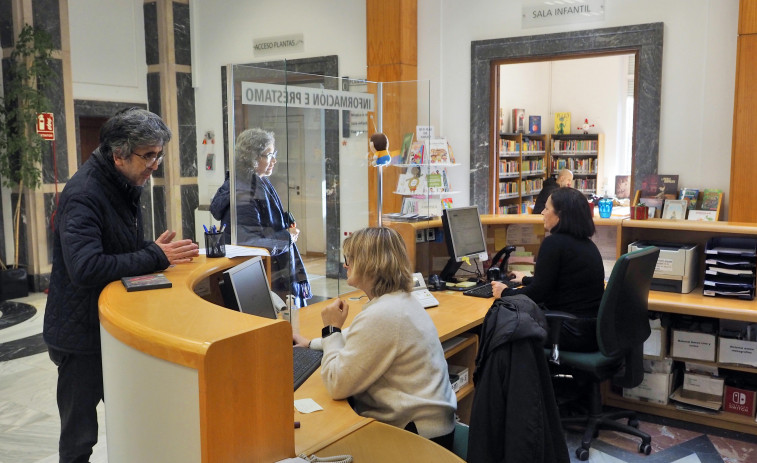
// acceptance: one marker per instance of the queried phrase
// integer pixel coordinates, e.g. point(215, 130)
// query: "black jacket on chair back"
point(514, 416)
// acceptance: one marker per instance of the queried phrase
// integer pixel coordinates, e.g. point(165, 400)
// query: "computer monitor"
point(245, 288)
point(464, 236)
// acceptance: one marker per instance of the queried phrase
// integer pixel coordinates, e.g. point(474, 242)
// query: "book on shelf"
point(412, 182)
point(692, 194)
point(438, 151)
point(710, 200)
point(414, 153)
point(407, 140)
point(562, 123)
point(145, 282)
point(702, 216)
point(659, 186)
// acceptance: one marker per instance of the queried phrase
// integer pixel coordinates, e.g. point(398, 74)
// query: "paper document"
point(307, 405)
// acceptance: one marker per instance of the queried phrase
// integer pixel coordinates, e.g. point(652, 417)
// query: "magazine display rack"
point(424, 181)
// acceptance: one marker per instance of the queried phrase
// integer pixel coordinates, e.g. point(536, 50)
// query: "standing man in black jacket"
point(99, 238)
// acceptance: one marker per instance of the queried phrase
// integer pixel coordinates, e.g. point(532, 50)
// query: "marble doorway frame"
point(646, 40)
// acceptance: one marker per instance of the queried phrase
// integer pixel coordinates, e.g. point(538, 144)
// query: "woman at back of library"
point(569, 274)
point(262, 220)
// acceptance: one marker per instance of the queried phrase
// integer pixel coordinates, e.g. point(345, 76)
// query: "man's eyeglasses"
point(270, 155)
point(151, 158)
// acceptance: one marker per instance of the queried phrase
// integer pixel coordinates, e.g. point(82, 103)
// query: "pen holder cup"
point(215, 245)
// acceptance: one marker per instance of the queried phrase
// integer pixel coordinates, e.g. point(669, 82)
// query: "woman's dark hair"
point(572, 207)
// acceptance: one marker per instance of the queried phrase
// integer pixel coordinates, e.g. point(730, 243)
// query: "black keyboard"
point(305, 362)
point(484, 290)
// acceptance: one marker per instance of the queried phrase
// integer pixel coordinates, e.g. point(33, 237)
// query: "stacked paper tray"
point(730, 267)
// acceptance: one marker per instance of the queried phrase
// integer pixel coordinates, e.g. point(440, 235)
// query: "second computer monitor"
point(249, 288)
point(464, 236)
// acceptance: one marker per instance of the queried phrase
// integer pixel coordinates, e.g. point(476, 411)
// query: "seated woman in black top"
point(569, 275)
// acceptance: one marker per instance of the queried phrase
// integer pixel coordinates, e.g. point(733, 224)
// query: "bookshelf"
point(582, 154)
point(519, 173)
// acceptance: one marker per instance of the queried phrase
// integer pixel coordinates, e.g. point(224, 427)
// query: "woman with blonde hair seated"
point(390, 363)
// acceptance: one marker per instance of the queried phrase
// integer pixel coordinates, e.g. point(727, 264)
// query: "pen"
point(206, 229)
point(214, 229)
point(223, 227)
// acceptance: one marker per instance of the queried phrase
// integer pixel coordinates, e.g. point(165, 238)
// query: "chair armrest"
point(554, 321)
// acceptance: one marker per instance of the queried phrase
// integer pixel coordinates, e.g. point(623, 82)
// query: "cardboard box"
point(702, 387)
point(656, 344)
point(739, 401)
point(693, 345)
point(738, 352)
point(656, 387)
point(664, 365)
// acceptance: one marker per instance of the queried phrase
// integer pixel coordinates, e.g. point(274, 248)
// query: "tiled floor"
point(29, 423)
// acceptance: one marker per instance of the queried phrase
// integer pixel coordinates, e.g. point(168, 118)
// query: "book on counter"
point(144, 282)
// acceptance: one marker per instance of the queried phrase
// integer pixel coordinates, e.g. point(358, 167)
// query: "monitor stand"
point(450, 269)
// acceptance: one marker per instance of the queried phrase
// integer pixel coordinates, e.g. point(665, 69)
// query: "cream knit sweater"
point(392, 363)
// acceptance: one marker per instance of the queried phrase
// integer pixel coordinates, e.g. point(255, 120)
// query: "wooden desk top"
point(329, 432)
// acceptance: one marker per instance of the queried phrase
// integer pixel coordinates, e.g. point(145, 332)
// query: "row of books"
point(433, 151)
point(511, 147)
point(423, 179)
point(574, 146)
point(577, 166)
point(730, 267)
point(586, 185)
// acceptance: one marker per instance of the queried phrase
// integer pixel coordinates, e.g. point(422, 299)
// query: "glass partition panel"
point(320, 186)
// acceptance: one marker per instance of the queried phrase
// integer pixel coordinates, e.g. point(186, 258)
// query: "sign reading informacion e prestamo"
point(550, 13)
point(305, 97)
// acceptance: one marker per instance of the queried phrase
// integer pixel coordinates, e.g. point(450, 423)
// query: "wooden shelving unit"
point(582, 154)
point(464, 354)
point(520, 169)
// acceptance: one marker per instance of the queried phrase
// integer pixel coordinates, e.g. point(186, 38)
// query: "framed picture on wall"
point(675, 209)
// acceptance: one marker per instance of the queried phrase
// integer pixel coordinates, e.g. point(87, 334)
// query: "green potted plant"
point(21, 147)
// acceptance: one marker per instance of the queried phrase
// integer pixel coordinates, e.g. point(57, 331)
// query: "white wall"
point(697, 78)
point(335, 27)
point(698, 75)
point(108, 50)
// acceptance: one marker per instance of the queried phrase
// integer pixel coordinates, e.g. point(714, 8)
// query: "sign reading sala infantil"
point(305, 97)
point(554, 12)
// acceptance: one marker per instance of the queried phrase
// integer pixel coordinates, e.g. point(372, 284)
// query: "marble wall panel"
point(181, 34)
point(54, 93)
point(185, 101)
point(190, 200)
point(6, 24)
point(152, 55)
point(158, 203)
point(46, 14)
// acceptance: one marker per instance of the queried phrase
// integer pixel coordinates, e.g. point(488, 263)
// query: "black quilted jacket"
point(98, 238)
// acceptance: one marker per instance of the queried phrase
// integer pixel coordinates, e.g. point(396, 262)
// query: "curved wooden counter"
point(188, 380)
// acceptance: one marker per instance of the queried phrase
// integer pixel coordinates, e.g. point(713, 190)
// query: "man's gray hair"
point(250, 145)
point(130, 129)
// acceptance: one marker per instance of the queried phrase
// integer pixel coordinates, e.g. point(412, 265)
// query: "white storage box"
point(656, 344)
point(656, 387)
point(693, 345)
point(736, 351)
point(702, 387)
point(458, 376)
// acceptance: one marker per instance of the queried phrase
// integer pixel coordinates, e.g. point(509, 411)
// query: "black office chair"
point(622, 328)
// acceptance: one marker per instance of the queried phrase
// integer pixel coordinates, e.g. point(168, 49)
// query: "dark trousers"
point(445, 441)
point(80, 389)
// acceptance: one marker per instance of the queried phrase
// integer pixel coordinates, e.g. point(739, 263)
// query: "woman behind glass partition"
point(261, 218)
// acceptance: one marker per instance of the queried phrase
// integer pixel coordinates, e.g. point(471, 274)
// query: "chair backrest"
point(623, 322)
